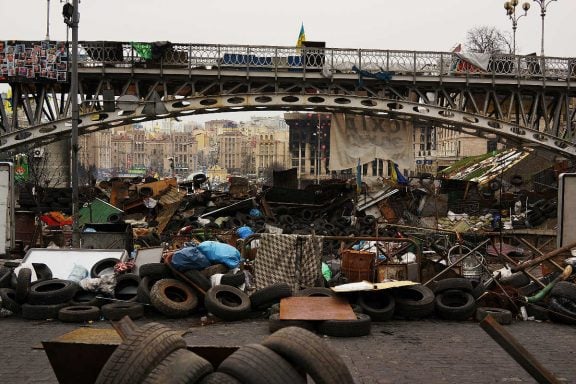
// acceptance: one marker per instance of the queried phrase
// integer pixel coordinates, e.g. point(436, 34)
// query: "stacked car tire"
point(156, 354)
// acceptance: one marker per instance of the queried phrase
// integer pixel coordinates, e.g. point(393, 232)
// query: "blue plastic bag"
point(220, 253)
point(189, 258)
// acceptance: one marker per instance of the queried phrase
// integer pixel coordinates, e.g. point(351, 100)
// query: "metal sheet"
point(315, 308)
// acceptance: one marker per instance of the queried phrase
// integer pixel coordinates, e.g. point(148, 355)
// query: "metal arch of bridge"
point(470, 123)
point(533, 100)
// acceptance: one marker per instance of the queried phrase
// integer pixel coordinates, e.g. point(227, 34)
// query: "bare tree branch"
point(487, 39)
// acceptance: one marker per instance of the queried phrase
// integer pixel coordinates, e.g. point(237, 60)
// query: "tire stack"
point(562, 303)
point(155, 354)
point(46, 298)
point(454, 299)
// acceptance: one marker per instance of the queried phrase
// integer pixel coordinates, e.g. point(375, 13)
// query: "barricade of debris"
point(464, 248)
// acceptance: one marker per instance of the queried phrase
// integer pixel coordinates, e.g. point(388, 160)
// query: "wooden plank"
point(315, 308)
point(517, 351)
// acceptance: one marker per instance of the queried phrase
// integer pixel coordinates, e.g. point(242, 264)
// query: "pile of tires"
point(154, 353)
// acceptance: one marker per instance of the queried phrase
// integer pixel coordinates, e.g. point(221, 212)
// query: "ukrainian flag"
point(301, 37)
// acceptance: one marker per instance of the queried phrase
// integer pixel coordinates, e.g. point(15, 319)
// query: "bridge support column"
point(58, 164)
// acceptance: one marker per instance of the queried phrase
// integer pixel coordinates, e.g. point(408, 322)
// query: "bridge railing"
point(327, 61)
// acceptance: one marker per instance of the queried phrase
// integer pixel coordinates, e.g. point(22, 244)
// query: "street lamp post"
point(543, 5)
point(48, 20)
point(318, 159)
point(72, 19)
point(510, 7)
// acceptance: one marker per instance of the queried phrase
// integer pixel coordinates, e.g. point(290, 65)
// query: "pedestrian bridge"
point(517, 100)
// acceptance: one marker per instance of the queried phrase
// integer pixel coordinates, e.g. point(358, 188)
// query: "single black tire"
point(179, 367)
point(219, 378)
point(79, 314)
point(86, 298)
point(478, 288)
point(5, 277)
point(309, 352)
point(265, 297)
point(501, 315)
point(227, 303)
point(516, 280)
point(8, 297)
point(43, 272)
point(459, 283)
point(102, 265)
point(379, 305)
point(214, 269)
point(316, 292)
point(198, 279)
point(257, 364)
point(346, 328)
point(564, 289)
point(173, 298)
point(275, 323)
point(146, 192)
point(126, 287)
point(455, 305)
point(155, 271)
point(139, 354)
point(116, 311)
point(562, 310)
point(23, 284)
point(286, 219)
point(233, 279)
point(368, 220)
point(53, 291)
point(41, 312)
point(143, 292)
point(414, 302)
point(114, 218)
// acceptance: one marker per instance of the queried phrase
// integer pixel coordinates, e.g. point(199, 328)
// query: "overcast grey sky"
point(379, 24)
point(382, 24)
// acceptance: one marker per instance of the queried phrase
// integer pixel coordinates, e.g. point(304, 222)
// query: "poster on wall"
point(34, 60)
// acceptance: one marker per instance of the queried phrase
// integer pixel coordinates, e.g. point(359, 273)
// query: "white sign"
point(366, 138)
point(7, 231)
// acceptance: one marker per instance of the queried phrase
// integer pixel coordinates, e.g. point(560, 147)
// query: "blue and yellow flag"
point(301, 37)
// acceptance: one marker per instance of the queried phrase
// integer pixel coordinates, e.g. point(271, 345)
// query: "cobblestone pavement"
point(430, 351)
